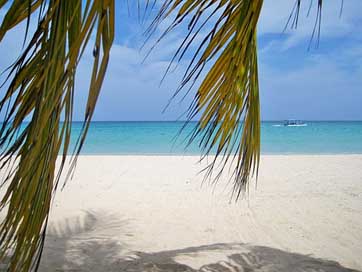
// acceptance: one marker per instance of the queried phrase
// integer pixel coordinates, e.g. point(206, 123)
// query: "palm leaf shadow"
point(83, 242)
point(237, 257)
point(88, 244)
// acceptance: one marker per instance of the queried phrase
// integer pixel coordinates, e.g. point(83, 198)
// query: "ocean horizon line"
point(195, 121)
point(262, 154)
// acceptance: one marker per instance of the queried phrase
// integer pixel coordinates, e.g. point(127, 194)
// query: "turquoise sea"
point(127, 138)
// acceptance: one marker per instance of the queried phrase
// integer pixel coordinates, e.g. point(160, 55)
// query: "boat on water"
point(294, 123)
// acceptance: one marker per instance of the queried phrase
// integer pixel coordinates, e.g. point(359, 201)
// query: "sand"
point(152, 213)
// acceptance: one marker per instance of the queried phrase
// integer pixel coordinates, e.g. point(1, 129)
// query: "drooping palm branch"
point(229, 92)
point(41, 88)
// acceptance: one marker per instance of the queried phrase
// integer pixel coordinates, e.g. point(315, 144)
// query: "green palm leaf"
point(42, 89)
point(229, 92)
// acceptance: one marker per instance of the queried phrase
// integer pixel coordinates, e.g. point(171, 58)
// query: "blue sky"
point(319, 84)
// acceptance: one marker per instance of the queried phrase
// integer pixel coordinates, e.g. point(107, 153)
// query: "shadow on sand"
point(80, 246)
point(89, 244)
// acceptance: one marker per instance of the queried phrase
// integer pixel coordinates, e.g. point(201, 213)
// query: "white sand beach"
point(152, 213)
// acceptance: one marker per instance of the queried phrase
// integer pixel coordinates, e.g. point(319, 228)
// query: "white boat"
point(294, 123)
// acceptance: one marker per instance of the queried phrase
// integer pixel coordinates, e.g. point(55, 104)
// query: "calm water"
point(158, 138)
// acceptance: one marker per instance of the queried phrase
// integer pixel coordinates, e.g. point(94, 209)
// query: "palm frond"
point(294, 19)
point(228, 97)
point(41, 88)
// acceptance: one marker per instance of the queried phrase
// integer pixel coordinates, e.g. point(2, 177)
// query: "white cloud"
point(131, 89)
point(275, 15)
point(322, 88)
